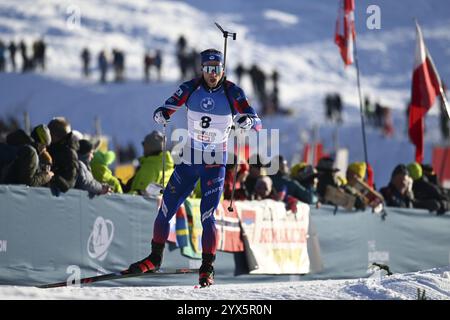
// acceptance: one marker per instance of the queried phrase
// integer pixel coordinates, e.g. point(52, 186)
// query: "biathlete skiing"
point(213, 105)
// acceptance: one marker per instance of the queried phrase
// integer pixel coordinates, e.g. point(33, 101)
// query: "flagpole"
point(346, 41)
point(363, 128)
point(444, 101)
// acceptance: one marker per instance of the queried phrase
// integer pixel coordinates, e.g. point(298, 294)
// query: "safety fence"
point(47, 238)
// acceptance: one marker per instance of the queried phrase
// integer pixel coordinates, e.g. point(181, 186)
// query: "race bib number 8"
point(205, 122)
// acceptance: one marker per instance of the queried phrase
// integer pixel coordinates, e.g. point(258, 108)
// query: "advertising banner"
point(277, 238)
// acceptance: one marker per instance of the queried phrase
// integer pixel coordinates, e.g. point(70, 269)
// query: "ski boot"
point(206, 271)
point(150, 263)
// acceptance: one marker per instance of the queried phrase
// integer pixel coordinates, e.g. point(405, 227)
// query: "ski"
point(120, 275)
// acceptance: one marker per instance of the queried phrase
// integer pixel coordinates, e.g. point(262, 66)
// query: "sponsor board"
point(277, 238)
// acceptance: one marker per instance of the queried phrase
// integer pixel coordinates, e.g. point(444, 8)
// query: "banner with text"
point(277, 238)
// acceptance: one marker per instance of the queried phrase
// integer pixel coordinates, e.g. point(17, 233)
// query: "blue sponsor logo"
point(207, 104)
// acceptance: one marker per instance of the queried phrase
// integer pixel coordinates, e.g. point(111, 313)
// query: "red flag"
point(345, 30)
point(426, 85)
point(370, 175)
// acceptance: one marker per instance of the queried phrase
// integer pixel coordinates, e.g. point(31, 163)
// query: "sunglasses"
point(211, 69)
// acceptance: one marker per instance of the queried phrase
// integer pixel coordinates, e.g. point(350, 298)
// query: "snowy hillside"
point(295, 37)
point(435, 283)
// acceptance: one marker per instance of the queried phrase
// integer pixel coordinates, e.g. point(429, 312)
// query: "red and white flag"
point(426, 85)
point(345, 30)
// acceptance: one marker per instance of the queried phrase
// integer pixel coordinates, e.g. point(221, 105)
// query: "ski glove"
point(244, 122)
point(161, 116)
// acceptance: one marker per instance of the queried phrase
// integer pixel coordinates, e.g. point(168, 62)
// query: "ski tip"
point(52, 285)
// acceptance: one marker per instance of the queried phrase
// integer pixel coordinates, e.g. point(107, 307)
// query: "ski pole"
point(226, 34)
point(230, 207)
point(163, 158)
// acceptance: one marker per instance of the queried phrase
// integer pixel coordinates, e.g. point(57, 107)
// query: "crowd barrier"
point(46, 238)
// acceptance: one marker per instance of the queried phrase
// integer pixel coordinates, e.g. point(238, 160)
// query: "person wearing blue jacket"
point(211, 102)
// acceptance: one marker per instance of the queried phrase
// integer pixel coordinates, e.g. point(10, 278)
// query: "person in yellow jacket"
point(151, 169)
point(101, 172)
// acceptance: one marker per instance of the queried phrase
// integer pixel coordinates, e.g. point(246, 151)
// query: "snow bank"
point(435, 283)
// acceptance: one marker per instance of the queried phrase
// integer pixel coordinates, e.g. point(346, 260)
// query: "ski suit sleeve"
point(241, 105)
point(180, 97)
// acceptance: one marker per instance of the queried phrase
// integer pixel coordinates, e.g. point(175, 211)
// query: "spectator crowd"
point(30, 60)
point(53, 156)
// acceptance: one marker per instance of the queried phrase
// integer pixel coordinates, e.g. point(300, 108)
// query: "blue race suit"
point(209, 115)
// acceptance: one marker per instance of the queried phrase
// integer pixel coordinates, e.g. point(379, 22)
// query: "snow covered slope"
point(293, 36)
point(435, 283)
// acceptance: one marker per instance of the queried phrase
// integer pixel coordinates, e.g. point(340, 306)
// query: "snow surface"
point(296, 37)
point(435, 283)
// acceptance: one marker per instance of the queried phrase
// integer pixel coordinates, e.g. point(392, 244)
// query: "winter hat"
point(400, 169)
point(211, 55)
point(18, 138)
point(41, 134)
point(303, 171)
point(358, 168)
point(153, 142)
point(428, 169)
point(85, 147)
point(105, 158)
point(297, 168)
point(77, 134)
point(326, 164)
point(415, 170)
point(59, 127)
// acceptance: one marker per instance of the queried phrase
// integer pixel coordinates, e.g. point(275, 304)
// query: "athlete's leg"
point(180, 185)
point(212, 179)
